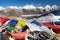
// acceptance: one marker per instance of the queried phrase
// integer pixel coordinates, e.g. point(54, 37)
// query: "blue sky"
point(6, 3)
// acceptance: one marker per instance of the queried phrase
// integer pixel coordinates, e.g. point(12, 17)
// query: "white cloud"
point(41, 7)
point(21, 7)
point(29, 7)
point(1, 7)
point(13, 7)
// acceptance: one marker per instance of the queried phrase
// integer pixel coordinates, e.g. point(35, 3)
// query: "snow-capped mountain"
point(26, 10)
